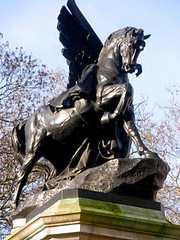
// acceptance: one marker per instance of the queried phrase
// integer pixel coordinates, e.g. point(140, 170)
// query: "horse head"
point(131, 42)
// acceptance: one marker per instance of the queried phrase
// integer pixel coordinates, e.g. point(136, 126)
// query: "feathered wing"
point(81, 44)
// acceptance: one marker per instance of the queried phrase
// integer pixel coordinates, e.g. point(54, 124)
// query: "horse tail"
point(18, 138)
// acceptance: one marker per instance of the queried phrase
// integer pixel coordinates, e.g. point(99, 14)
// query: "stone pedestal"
point(73, 215)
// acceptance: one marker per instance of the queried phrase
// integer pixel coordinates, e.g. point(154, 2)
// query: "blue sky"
point(32, 25)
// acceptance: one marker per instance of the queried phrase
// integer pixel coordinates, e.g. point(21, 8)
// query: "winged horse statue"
point(93, 120)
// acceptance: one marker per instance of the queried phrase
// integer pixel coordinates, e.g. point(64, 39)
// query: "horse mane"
point(117, 35)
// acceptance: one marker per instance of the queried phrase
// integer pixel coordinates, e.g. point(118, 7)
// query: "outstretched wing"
point(81, 44)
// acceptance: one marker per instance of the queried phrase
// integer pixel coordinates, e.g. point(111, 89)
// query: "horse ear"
point(135, 32)
point(147, 36)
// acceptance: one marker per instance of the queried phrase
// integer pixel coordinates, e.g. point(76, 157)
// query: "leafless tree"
point(163, 137)
point(25, 84)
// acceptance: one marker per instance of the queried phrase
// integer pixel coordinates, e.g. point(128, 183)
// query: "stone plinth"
point(84, 218)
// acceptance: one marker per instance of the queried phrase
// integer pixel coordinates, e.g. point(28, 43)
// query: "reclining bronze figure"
point(93, 120)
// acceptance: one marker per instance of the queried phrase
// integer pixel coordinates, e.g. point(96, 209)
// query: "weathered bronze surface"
point(92, 122)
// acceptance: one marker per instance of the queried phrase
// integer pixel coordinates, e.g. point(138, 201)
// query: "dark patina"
point(90, 126)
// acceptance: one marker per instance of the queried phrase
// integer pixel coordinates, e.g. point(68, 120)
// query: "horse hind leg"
point(22, 178)
point(32, 146)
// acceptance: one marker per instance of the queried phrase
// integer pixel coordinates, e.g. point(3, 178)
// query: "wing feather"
point(81, 44)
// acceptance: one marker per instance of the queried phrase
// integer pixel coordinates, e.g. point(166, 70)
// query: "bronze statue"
point(93, 120)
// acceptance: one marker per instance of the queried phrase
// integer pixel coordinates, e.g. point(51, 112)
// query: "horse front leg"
point(126, 98)
point(125, 94)
point(133, 133)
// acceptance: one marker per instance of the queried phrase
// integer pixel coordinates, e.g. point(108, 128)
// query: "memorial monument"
point(86, 131)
